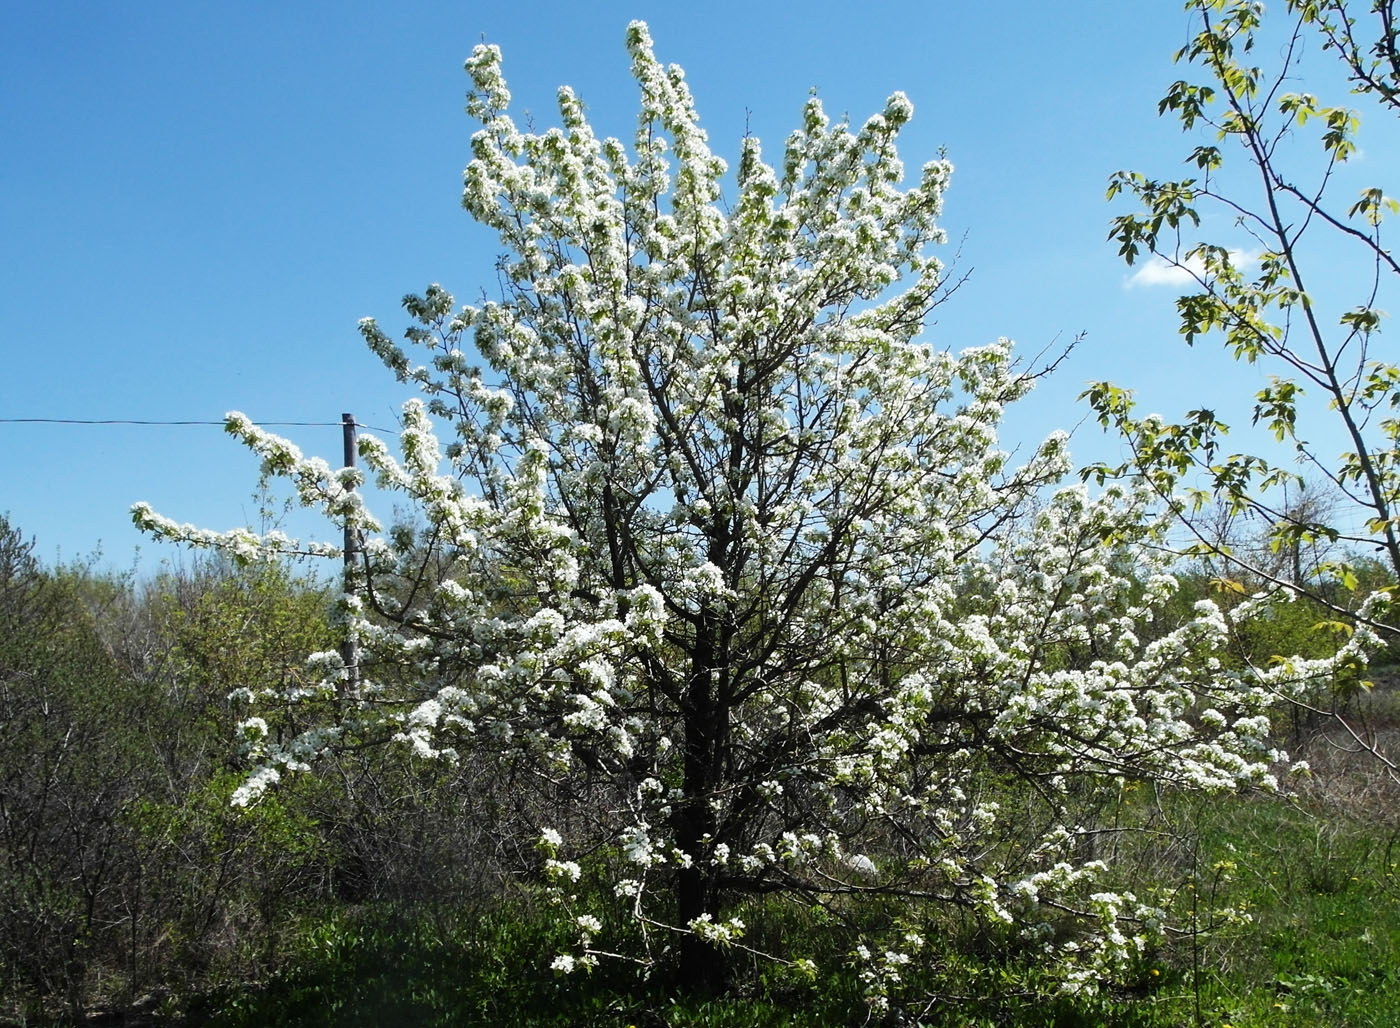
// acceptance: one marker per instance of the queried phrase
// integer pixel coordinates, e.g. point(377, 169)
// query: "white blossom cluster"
point(723, 546)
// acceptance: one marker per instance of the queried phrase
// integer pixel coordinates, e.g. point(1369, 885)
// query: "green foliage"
point(1265, 289)
point(122, 866)
point(60, 776)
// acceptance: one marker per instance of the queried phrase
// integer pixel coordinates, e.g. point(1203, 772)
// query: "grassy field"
point(1317, 877)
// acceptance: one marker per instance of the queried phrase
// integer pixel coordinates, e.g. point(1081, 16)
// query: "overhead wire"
point(145, 421)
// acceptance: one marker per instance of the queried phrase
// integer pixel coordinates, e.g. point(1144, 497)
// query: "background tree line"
point(125, 874)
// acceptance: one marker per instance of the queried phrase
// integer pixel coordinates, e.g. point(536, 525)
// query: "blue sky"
point(199, 201)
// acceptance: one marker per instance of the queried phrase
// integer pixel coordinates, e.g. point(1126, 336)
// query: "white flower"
point(563, 964)
point(256, 784)
point(720, 932)
point(253, 728)
point(562, 870)
point(861, 865)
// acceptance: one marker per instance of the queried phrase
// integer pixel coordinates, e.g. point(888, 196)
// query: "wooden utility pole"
point(349, 651)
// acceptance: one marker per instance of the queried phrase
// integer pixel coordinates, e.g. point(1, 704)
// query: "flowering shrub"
point(727, 553)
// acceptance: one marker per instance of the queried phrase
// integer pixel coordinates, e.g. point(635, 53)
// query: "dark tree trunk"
point(701, 964)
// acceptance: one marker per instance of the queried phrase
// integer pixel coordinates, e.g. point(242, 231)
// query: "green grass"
point(1320, 947)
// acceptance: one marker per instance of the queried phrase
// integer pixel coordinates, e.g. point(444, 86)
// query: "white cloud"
point(1161, 272)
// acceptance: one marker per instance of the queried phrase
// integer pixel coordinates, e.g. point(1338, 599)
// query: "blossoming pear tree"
point(720, 547)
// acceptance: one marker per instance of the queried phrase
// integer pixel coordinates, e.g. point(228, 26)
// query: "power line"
point(138, 421)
